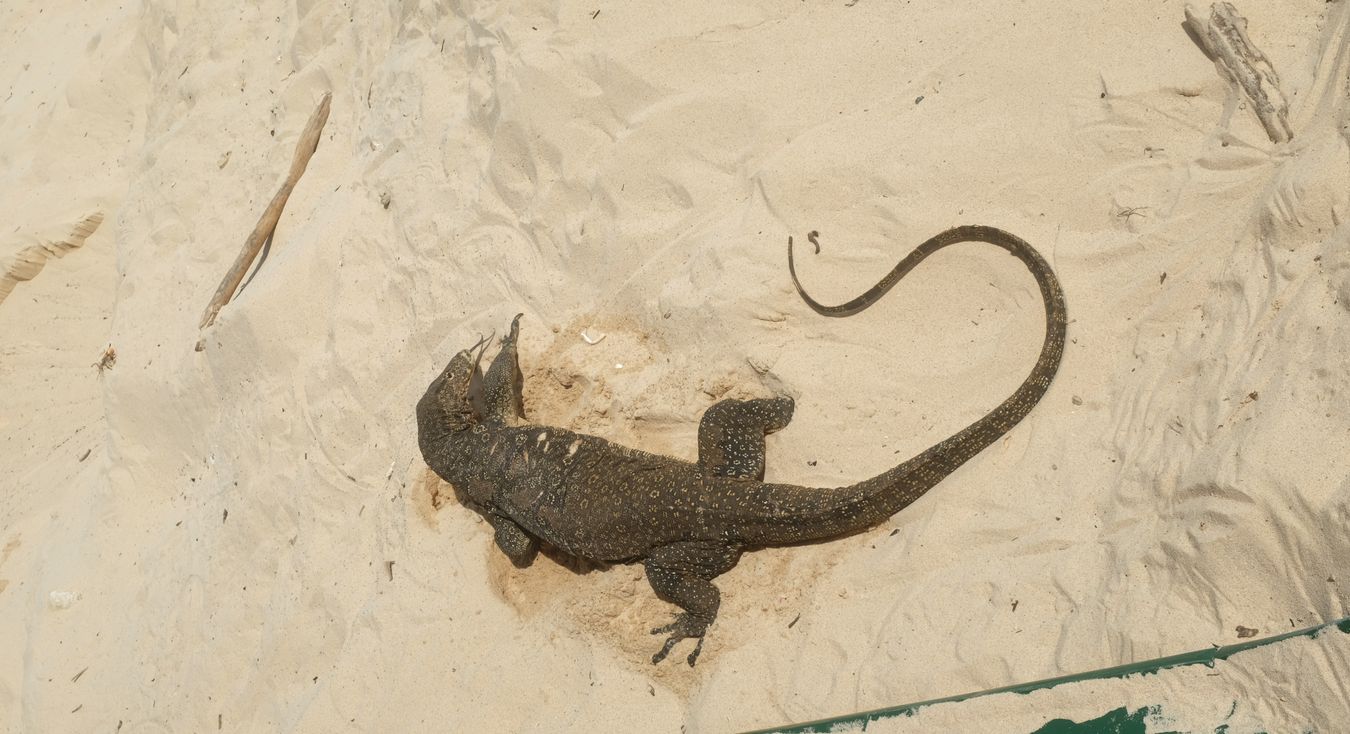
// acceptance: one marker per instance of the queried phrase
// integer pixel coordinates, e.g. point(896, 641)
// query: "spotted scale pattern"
point(687, 523)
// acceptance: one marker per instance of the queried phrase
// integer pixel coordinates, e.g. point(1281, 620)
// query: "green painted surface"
point(1119, 721)
point(1207, 656)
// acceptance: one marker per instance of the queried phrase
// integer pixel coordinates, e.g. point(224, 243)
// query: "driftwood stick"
point(309, 140)
point(1223, 38)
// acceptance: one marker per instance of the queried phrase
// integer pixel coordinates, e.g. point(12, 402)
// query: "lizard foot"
point(682, 573)
point(685, 626)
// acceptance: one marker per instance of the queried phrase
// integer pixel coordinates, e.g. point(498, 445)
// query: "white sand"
point(639, 175)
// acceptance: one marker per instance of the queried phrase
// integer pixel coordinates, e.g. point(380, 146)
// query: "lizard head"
point(452, 432)
point(453, 401)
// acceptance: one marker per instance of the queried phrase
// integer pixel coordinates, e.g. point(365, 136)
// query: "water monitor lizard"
point(687, 523)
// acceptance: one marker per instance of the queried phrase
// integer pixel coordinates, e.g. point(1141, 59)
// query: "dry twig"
point(309, 140)
point(1223, 38)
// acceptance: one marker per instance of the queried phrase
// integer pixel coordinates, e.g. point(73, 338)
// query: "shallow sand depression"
point(246, 538)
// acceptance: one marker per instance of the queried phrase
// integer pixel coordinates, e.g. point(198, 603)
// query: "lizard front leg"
point(682, 574)
point(517, 544)
point(502, 386)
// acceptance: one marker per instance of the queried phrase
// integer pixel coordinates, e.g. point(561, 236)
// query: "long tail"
point(820, 514)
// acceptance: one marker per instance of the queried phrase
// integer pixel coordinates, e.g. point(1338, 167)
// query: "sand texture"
point(246, 538)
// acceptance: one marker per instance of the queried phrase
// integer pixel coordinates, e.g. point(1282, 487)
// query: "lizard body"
point(686, 522)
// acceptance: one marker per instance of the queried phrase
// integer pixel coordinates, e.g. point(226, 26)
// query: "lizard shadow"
point(577, 565)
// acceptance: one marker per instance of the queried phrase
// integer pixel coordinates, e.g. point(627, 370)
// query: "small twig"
point(1223, 38)
point(309, 140)
point(1125, 212)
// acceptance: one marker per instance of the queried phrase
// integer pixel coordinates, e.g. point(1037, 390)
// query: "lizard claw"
point(693, 656)
point(664, 651)
point(685, 626)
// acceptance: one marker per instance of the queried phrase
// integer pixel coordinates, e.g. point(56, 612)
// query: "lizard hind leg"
point(731, 435)
point(682, 574)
